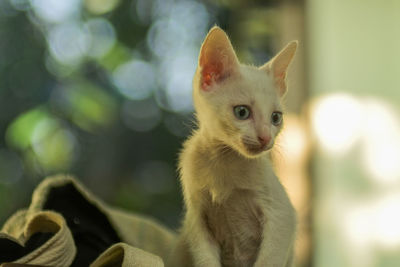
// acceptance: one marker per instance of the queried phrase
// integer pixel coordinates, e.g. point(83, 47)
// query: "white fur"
point(237, 212)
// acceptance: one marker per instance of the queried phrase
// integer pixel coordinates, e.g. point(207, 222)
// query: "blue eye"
point(276, 118)
point(241, 112)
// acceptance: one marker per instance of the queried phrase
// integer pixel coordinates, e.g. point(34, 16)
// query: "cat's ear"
point(278, 66)
point(217, 59)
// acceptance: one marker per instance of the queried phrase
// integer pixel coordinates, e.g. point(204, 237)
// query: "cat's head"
point(237, 104)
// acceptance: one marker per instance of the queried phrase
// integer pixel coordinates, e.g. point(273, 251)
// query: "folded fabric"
point(122, 254)
point(45, 240)
point(66, 225)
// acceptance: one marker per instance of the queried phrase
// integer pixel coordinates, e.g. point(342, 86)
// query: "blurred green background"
point(101, 89)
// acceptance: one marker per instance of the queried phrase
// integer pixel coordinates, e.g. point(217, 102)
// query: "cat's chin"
point(254, 151)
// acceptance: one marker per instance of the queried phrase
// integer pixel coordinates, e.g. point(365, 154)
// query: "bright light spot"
point(383, 160)
point(177, 75)
point(381, 121)
point(136, 79)
point(336, 120)
point(174, 39)
point(85, 104)
point(293, 138)
point(55, 147)
point(19, 132)
point(141, 116)
point(374, 222)
point(194, 17)
point(102, 37)
point(161, 8)
point(68, 43)
point(181, 25)
point(381, 136)
point(387, 214)
point(358, 226)
point(55, 11)
point(167, 38)
point(101, 6)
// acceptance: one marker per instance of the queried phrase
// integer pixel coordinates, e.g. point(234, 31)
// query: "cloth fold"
point(66, 225)
point(45, 240)
point(122, 254)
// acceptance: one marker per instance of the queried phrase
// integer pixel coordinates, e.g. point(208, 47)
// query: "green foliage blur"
point(101, 89)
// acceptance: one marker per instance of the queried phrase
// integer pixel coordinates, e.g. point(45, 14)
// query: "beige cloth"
point(122, 254)
point(144, 241)
point(57, 251)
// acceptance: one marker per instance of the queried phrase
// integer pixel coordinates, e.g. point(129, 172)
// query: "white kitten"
point(237, 212)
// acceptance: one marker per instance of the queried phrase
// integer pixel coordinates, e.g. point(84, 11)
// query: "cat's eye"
point(241, 112)
point(276, 118)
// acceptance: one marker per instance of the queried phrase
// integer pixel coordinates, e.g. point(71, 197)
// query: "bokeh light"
point(293, 142)
point(68, 43)
point(54, 145)
point(135, 79)
point(336, 120)
point(86, 105)
point(374, 222)
point(166, 38)
point(102, 36)
point(340, 121)
point(175, 46)
point(101, 6)
point(177, 75)
point(19, 133)
point(56, 11)
point(381, 142)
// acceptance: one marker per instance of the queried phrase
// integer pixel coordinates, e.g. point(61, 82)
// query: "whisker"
point(249, 140)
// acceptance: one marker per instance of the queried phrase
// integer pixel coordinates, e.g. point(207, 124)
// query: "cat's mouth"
point(255, 149)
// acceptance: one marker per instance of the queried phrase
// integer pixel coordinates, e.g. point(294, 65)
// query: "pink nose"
point(264, 139)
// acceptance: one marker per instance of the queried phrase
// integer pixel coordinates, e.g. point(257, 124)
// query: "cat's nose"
point(264, 139)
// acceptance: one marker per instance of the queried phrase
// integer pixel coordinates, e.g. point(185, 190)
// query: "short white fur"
point(237, 211)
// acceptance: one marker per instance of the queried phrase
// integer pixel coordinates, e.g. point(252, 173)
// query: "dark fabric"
point(11, 251)
point(92, 231)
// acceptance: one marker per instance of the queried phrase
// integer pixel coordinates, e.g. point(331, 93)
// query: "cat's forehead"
point(251, 86)
point(258, 78)
point(257, 85)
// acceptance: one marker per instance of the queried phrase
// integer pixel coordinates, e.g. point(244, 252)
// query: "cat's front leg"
point(276, 248)
point(203, 249)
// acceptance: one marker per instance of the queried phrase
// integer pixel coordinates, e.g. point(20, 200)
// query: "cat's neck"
point(223, 169)
point(218, 149)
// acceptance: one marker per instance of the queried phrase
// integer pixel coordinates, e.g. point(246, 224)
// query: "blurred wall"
point(354, 62)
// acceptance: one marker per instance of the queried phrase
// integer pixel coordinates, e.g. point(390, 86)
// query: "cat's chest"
point(236, 225)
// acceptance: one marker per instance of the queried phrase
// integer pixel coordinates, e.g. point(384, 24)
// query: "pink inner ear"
point(211, 72)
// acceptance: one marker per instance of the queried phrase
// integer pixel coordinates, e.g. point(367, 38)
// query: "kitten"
point(237, 211)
